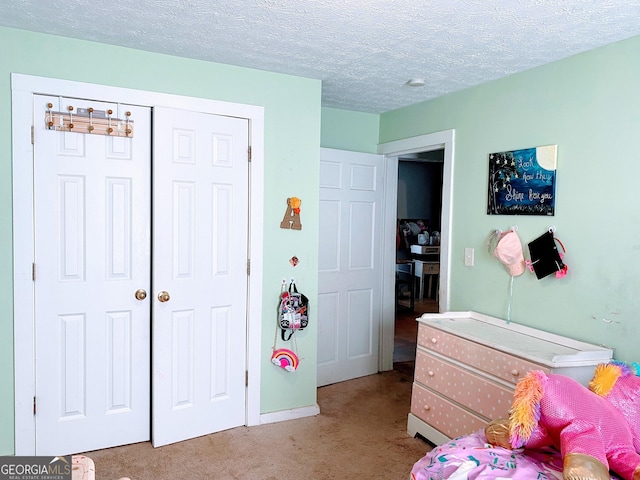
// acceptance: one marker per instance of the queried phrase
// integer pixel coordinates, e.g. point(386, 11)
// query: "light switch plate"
point(468, 257)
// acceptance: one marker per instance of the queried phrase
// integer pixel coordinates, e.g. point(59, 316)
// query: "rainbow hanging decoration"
point(285, 358)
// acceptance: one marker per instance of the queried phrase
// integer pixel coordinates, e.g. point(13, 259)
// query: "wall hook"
point(49, 116)
point(91, 127)
point(70, 108)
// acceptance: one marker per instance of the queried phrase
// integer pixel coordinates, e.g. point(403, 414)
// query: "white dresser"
point(467, 365)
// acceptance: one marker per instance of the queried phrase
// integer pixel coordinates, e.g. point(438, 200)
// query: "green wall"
point(292, 138)
point(589, 106)
point(346, 130)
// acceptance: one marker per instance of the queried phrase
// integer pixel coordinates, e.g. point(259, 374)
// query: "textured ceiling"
point(364, 51)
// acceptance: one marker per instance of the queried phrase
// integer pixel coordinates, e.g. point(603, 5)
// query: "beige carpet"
point(360, 433)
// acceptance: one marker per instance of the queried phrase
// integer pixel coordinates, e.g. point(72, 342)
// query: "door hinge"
point(246, 378)
point(34, 405)
point(249, 153)
point(33, 272)
point(32, 135)
point(248, 266)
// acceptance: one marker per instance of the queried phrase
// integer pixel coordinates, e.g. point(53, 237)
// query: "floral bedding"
point(471, 457)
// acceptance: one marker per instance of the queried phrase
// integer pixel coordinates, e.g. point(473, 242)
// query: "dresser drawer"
point(426, 268)
point(487, 359)
point(450, 419)
point(467, 388)
point(430, 268)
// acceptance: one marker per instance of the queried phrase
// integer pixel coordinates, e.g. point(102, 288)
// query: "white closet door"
point(200, 274)
point(92, 237)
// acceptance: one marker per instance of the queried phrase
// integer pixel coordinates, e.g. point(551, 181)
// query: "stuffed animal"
point(619, 383)
point(592, 434)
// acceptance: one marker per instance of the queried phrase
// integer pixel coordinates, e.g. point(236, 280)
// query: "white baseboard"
point(292, 414)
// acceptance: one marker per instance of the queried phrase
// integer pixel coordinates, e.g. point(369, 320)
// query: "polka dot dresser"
point(467, 365)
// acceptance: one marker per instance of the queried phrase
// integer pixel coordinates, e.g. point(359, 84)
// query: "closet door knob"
point(140, 294)
point(164, 296)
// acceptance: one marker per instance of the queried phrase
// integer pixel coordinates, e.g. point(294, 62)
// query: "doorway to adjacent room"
point(419, 211)
point(392, 151)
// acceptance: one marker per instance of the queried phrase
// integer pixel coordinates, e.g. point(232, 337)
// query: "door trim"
point(392, 150)
point(23, 87)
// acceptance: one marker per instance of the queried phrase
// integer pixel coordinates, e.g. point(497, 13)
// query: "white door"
point(92, 224)
point(350, 265)
point(200, 211)
point(93, 241)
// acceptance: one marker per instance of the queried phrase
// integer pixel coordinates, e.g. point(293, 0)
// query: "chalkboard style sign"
point(523, 182)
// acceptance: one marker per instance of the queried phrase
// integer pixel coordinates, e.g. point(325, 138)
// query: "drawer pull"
point(515, 372)
point(430, 373)
point(434, 340)
point(426, 408)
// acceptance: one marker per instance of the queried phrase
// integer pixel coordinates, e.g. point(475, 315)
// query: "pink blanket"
point(471, 457)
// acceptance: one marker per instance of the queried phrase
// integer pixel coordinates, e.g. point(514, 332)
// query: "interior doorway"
point(443, 140)
point(419, 212)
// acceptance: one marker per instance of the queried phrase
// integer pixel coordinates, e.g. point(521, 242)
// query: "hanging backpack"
point(293, 310)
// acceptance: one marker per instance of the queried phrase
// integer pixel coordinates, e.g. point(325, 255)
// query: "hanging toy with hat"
point(507, 248)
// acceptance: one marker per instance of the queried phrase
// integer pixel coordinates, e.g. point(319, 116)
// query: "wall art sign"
point(523, 182)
